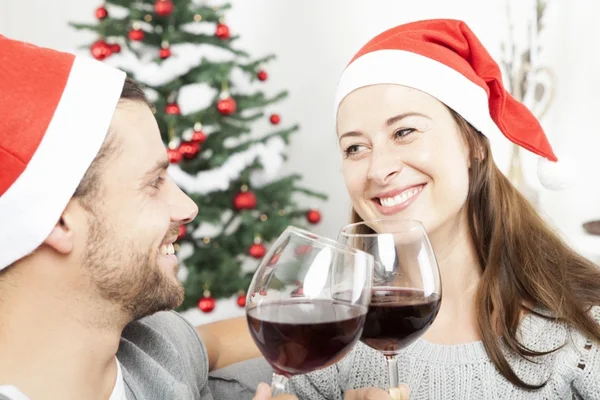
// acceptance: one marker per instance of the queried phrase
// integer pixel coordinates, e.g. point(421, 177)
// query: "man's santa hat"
point(444, 58)
point(55, 111)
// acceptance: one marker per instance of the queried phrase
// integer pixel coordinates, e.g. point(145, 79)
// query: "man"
point(88, 217)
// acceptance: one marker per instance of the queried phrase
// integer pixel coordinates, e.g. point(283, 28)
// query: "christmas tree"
point(225, 149)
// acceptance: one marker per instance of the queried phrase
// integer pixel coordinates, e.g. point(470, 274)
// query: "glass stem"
point(392, 362)
point(278, 384)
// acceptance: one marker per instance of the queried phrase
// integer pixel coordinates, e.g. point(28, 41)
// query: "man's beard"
point(127, 276)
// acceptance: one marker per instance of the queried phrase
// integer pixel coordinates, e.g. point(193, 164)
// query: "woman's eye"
point(402, 133)
point(351, 150)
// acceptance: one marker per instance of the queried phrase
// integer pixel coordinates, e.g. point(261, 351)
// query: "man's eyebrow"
point(162, 165)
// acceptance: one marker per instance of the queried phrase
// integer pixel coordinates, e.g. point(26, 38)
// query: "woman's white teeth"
point(401, 198)
point(167, 249)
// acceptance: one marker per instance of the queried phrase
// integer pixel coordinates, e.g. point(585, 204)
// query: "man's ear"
point(61, 237)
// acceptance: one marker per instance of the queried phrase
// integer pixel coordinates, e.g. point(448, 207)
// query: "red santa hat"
point(55, 111)
point(444, 58)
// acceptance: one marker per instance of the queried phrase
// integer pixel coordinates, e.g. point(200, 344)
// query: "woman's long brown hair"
point(525, 264)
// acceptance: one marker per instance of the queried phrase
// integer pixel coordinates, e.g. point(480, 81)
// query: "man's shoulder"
point(163, 332)
point(160, 352)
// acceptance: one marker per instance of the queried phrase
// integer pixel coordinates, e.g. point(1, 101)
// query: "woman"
point(416, 111)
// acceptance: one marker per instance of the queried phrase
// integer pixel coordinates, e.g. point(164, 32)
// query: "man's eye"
point(157, 183)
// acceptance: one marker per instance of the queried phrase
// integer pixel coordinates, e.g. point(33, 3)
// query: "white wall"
point(314, 39)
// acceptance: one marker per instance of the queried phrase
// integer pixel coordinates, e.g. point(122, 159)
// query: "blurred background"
point(313, 40)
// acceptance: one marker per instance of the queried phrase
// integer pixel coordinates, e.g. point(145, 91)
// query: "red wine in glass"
point(298, 337)
point(397, 317)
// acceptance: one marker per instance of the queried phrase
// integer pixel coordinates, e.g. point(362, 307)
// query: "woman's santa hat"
point(444, 58)
point(55, 111)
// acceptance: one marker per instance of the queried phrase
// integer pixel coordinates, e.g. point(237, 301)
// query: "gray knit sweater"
point(465, 372)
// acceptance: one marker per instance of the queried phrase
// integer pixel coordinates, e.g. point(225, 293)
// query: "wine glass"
point(406, 292)
point(307, 303)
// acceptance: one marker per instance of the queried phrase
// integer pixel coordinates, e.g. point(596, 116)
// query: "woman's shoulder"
point(581, 358)
point(542, 329)
point(543, 322)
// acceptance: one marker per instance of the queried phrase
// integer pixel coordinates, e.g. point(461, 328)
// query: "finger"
point(402, 392)
point(263, 392)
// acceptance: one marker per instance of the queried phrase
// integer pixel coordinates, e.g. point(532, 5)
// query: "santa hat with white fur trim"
point(55, 111)
point(444, 58)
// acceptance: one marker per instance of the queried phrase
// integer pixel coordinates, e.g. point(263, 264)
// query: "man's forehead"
point(137, 137)
point(131, 112)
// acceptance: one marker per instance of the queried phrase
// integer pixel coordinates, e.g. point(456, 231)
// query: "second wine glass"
point(406, 291)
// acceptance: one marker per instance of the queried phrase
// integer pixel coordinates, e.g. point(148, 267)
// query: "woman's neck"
point(460, 272)
point(457, 259)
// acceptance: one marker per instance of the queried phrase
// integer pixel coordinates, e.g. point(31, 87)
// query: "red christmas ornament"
point(226, 106)
point(199, 137)
point(313, 216)
point(275, 119)
point(100, 50)
point(241, 300)
point(244, 201)
point(257, 250)
point(207, 303)
point(189, 149)
point(182, 232)
point(172, 109)
point(262, 75)
point(174, 156)
point(101, 13)
point(115, 48)
point(222, 32)
point(164, 8)
point(136, 35)
point(164, 53)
